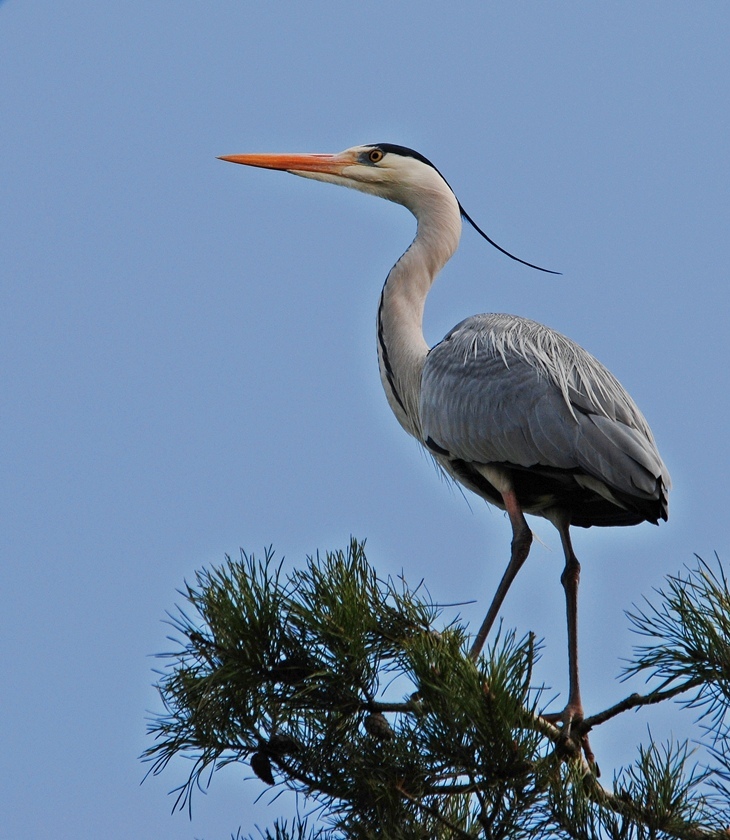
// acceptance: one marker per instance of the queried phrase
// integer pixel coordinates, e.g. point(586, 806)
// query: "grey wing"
point(505, 390)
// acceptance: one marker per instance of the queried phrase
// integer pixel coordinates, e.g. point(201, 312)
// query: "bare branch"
point(634, 701)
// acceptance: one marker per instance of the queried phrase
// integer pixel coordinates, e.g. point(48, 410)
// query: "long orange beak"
point(331, 164)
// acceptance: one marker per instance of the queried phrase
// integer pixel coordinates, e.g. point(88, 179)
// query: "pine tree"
point(293, 675)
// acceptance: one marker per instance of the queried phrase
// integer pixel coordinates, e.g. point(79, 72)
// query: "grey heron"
point(514, 411)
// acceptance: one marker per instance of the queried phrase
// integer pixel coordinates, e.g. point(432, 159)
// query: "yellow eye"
point(375, 156)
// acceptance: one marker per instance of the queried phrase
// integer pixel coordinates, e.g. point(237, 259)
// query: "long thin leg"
point(521, 541)
point(570, 579)
point(573, 712)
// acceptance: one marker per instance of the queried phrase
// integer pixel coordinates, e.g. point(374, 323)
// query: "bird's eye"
point(375, 156)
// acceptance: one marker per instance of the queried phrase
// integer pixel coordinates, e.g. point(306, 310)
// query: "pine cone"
point(376, 724)
point(261, 766)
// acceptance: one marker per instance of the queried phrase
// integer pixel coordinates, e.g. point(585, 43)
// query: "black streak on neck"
point(384, 351)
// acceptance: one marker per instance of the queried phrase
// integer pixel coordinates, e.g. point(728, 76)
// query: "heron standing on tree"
point(514, 411)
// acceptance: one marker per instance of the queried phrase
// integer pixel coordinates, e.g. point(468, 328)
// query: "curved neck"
point(402, 348)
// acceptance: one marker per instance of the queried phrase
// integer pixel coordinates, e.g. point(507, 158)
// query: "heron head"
point(394, 172)
point(383, 169)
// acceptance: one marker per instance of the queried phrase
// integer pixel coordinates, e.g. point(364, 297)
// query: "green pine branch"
point(349, 690)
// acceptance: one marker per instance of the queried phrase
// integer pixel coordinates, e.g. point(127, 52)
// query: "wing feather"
point(506, 390)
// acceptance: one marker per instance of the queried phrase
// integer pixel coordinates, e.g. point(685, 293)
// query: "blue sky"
point(188, 347)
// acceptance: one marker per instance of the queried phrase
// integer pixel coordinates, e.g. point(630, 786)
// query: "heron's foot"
point(573, 735)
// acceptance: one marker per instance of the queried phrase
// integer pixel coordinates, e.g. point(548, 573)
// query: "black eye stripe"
point(403, 151)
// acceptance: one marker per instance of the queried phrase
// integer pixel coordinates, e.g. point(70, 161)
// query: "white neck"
point(402, 348)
